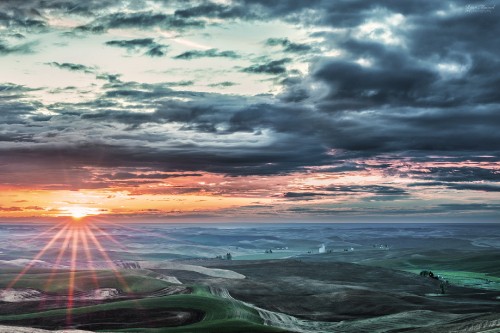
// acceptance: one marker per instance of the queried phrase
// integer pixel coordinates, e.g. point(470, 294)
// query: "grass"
point(219, 326)
point(467, 279)
point(459, 268)
point(37, 279)
point(221, 315)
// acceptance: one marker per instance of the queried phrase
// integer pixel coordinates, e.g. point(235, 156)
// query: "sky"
point(250, 110)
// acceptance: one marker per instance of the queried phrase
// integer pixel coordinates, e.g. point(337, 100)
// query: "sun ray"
point(57, 262)
point(143, 232)
point(46, 232)
point(60, 255)
point(109, 237)
point(38, 256)
point(88, 255)
point(108, 260)
point(71, 285)
point(153, 234)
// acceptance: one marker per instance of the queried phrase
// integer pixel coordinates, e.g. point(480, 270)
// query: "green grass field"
point(461, 269)
point(221, 315)
point(38, 279)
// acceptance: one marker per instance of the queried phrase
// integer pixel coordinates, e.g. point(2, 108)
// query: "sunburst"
point(75, 240)
point(78, 212)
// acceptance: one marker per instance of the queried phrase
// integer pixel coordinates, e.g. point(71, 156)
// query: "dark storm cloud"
point(460, 178)
point(211, 53)
point(401, 104)
point(281, 7)
point(302, 194)
point(15, 112)
point(319, 12)
point(183, 83)
point(12, 17)
point(25, 48)
point(157, 51)
point(378, 192)
point(471, 207)
point(15, 137)
point(223, 84)
point(352, 86)
point(288, 46)
point(470, 32)
point(394, 129)
point(132, 43)
point(154, 175)
point(459, 174)
point(213, 10)
point(11, 91)
point(294, 90)
point(247, 9)
point(72, 67)
point(111, 78)
point(443, 210)
point(205, 113)
point(148, 45)
point(362, 133)
point(33, 7)
point(375, 189)
point(461, 186)
point(139, 20)
point(475, 187)
point(271, 159)
point(271, 67)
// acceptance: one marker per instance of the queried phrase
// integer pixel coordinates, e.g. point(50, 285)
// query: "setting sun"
point(78, 212)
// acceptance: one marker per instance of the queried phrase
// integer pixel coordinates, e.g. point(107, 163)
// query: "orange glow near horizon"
point(78, 212)
point(146, 195)
point(24, 203)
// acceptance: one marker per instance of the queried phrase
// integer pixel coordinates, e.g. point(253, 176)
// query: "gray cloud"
point(271, 67)
point(148, 45)
point(378, 192)
point(154, 175)
point(471, 207)
point(32, 8)
point(223, 84)
point(13, 17)
point(461, 186)
point(142, 20)
point(436, 95)
point(460, 174)
point(211, 53)
point(72, 67)
point(131, 43)
point(25, 48)
point(213, 10)
point(375, 189)
point(288, 46)
point(112, 78)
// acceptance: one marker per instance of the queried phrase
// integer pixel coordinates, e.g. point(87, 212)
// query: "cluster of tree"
point(228, 256)
point(443, 284)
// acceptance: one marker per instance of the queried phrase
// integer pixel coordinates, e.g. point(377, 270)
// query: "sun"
point(79, 212)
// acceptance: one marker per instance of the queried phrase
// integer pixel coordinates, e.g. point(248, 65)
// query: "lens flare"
point(76, 241)
point(78, 212)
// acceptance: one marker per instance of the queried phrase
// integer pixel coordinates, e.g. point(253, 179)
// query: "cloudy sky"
point(250, 110)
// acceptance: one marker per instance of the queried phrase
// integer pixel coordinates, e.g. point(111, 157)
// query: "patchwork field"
point(365, 281)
